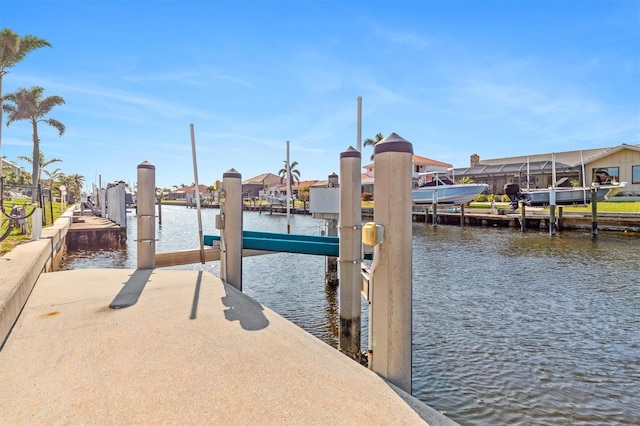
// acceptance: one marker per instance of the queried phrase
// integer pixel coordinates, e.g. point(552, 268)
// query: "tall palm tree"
point(13, 49)
point(294, 174)
point(30, 105)
point(43, 162)
point(372, 142)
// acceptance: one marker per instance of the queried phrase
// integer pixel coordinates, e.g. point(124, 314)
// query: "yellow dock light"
point(372, 234)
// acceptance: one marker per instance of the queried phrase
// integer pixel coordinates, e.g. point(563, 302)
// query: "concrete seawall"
point(21, 267)
point(184, 348)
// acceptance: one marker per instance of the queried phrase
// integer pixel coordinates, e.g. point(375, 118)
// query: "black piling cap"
point(232, 173)
point(350, 152)
point(393, 143)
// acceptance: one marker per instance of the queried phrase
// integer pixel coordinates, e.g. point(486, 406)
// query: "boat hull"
point(448, 194)
point(569, 196)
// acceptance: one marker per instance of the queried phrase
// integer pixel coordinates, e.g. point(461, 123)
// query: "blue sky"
point(496, 78)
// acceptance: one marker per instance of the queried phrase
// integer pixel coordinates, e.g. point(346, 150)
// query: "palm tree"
point(13, 49)
point(53, 177)
point(77, 181)
point(373, 142)
point(43, 163)
point(28, 104)
point(293, 173)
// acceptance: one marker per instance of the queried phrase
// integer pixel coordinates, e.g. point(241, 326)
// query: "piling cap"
point(393, 143)
point(350, 152)
point(146, 165)
point(231, 173)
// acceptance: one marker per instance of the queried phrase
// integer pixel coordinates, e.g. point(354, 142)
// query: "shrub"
point(492, 197)
point(505, 198)
point(480, 198)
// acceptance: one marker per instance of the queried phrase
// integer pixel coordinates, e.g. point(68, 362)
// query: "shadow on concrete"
point(130, 293)
point(244, 309)
point(196, 297)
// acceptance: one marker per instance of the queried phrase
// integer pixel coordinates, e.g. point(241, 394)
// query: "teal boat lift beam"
point(290, 243)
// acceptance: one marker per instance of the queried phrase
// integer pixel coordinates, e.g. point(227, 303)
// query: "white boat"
point(570, 195)
point(441, 189)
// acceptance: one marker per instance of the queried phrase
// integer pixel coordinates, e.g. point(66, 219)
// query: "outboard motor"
point(513, 191)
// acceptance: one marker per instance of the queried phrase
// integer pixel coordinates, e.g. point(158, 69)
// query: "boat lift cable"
point(7, 231)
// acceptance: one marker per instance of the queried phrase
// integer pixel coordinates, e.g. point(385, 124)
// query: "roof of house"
point(570, 158)
point(541, 163)
point(420, 161)
point(304, 183)
point(263, 179)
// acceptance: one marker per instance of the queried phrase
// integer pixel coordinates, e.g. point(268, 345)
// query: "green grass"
point(603, 206)
point(16, 236)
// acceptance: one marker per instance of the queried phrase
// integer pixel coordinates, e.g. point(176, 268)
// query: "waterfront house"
point(619, 163)
point(420, 165)
point(252, 187)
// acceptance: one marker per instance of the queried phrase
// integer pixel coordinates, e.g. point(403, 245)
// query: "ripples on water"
point(508, 328)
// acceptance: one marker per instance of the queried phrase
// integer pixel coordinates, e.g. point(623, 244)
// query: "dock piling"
point(391, 301)
point(146, 224)
point(594, 213)
point(231, 233)
point(350, 252)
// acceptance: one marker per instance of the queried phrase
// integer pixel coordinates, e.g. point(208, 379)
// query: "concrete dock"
point(165, 347)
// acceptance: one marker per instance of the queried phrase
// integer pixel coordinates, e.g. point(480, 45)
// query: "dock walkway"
point(183, 348)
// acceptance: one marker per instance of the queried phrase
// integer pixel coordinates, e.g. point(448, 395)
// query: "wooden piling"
point(594, 213)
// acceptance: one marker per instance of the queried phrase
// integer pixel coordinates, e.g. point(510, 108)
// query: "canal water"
point(508, 328)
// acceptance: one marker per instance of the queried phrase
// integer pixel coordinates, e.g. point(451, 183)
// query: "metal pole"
point(288, 191)
point(146, 224)
point(195, 177)
point(350, 252)
point(391, 324)
point(359, 128)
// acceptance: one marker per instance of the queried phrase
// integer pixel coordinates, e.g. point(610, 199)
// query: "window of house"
point(635, 174)
point(606, 175)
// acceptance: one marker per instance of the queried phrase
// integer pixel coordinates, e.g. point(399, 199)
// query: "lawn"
point(16, 236)
point(603, 207)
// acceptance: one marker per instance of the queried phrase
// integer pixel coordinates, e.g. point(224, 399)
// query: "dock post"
point(36, 224)
point(560, 209)
point(231, 233)
point(523, 216)
point(331, 262)
point(461, 214)
point(391, 301)
point(146, 218)
point(434, 208)
point(350, 252)
point(594, 213)
point(552, 211)
point(159, 197)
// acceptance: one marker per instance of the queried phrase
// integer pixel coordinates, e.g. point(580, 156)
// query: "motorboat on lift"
point(440, 188)
point(571, 195)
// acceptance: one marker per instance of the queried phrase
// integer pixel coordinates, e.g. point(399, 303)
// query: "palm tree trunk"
point(1, 111)
point(36, 161)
